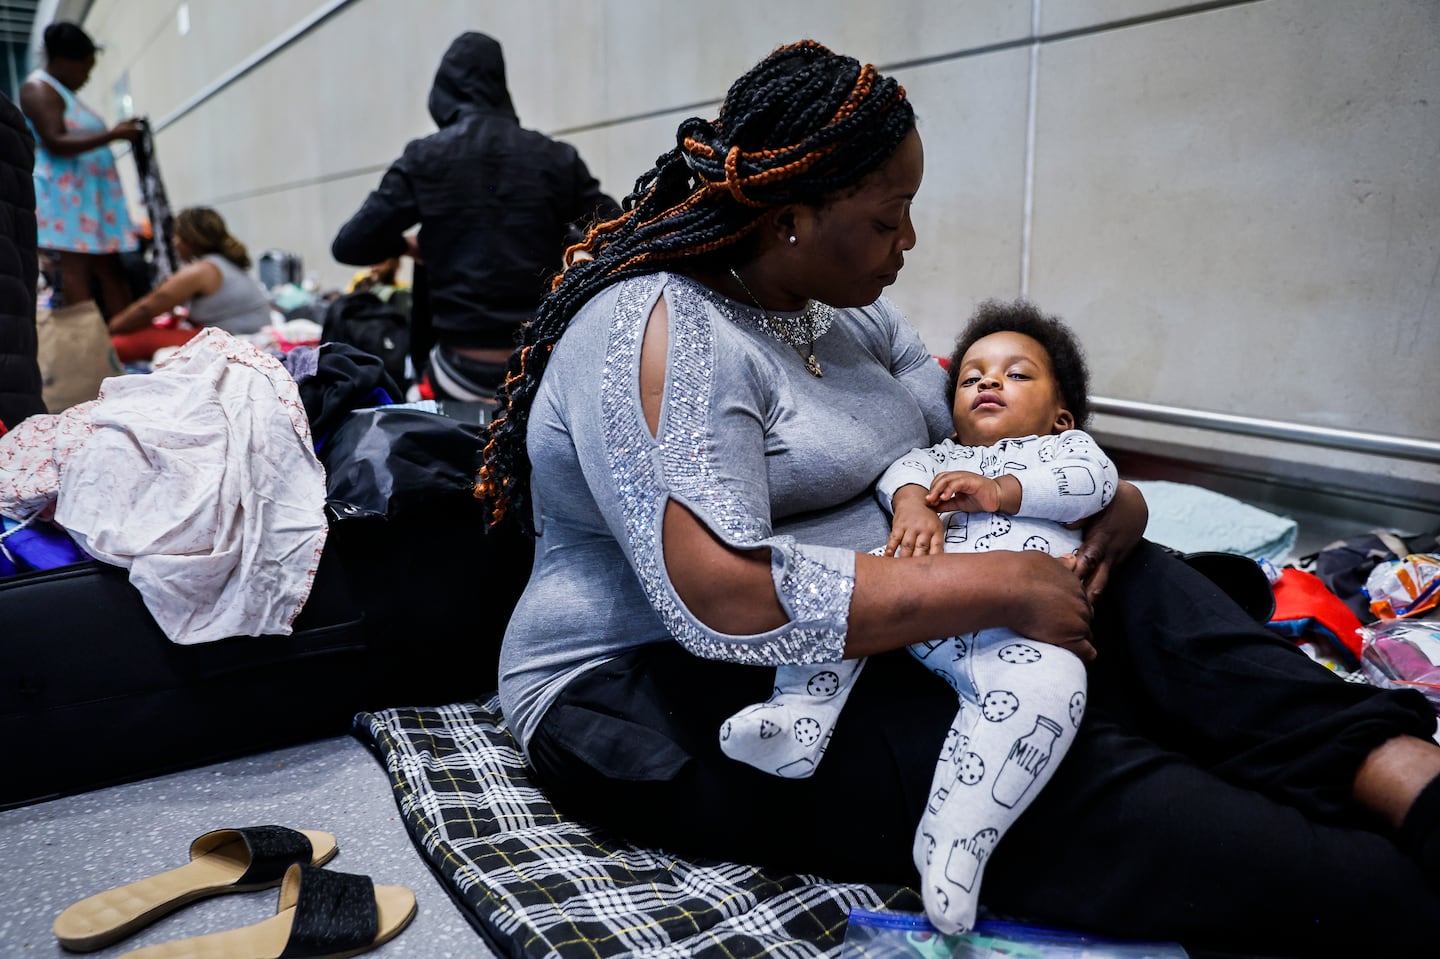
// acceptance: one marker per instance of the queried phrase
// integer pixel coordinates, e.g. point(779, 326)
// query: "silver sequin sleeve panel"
point(813, 583)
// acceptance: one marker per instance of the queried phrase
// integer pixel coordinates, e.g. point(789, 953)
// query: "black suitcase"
point(402, 613)
point(94, 693)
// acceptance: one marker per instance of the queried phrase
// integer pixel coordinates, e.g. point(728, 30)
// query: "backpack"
point(368, 323)
point(1345, 565)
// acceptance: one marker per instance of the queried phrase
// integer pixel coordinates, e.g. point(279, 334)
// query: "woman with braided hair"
point(692, 428)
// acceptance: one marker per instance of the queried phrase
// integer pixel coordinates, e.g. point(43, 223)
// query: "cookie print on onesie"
point(952, 739)
point(825, 683)
point(807, 731)
point(945, 658)
point(970, 769)
point(999, 525)
point(1072, 444)
point(999, 705)
point(949, 678)
point(929, 842)
point(1018, 653)
point(1039, 543)
point(1077, 708)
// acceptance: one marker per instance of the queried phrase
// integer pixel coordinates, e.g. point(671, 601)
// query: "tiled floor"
point(57, 852)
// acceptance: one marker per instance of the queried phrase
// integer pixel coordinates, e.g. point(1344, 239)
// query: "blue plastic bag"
point(25, 547)
point(906, 935)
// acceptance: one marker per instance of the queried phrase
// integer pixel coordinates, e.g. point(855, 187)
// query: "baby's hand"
point(964, 490)
point(917, 529)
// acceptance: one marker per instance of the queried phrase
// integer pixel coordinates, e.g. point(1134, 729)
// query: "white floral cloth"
point(200, 477)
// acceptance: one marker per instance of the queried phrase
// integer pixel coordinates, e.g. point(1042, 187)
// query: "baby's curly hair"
point(1067, 359)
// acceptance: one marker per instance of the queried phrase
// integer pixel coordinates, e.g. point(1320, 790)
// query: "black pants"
point(1206, 798)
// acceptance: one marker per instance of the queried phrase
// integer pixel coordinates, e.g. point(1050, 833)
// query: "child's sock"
point(787, 734)
point(1420, 832)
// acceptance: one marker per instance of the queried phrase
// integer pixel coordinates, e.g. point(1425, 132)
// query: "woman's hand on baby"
point(1110, 535)
point(1048, 602)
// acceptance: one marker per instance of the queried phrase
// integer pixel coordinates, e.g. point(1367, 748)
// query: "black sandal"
point(321, 915)
point(221, 861)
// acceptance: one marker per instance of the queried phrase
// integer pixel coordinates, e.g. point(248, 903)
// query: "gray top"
point(239, 306)
point(763, 453)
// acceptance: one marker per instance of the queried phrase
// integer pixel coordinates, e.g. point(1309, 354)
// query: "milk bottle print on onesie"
point(1027, 759)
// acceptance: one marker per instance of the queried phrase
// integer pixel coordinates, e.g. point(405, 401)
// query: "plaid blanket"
point(539, 885)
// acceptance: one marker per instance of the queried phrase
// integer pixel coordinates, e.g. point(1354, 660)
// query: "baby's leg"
point(787, 734)
point(998, 757)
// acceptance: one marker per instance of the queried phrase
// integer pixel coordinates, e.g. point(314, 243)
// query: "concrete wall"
point(1237, 204)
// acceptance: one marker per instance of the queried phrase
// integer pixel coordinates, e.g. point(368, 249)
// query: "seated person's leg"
point(1132, 840)
point(1182, 663)
point(853, 820)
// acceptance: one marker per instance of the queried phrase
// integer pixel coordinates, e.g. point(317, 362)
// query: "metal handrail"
point(1403, 447)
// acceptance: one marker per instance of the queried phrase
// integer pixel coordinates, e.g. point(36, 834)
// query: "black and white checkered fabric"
point(539, 885)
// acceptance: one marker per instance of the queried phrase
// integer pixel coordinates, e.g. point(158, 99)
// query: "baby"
point(1017, 472)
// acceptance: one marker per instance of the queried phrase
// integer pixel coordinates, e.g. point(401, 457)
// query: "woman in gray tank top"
point(213, 285)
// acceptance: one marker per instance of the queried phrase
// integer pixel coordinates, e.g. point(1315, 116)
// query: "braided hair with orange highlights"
point(802, 126)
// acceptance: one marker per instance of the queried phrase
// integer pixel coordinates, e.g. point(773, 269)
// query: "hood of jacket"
point(471, 77)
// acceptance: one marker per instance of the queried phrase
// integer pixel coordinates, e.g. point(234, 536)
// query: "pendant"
point(812, 366)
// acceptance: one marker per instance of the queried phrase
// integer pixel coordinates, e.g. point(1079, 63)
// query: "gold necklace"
point(785, 334)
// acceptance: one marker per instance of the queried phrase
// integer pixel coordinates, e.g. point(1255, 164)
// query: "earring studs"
point(793, 241)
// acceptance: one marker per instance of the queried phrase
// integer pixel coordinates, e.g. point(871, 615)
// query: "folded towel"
point(1193, 519)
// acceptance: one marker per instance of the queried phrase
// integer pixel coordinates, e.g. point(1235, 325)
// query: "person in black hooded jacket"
point(496, 204)
point(20, 384)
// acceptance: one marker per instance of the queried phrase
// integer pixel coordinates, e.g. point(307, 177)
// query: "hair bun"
point(701, 147)
point(699, 130)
